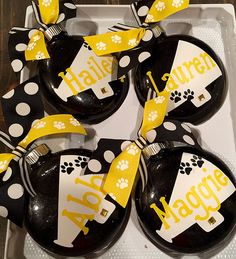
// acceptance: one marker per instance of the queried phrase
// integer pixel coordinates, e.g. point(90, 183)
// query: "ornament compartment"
point(218, 23)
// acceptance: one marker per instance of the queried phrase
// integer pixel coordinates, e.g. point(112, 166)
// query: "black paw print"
point(185, 168)
point(189, 95)
point(197, 161)
point(67, 168)
point(81, 162)
point(175, 96)
point(87, 46)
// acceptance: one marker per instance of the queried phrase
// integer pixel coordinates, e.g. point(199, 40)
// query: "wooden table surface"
point(12, 13)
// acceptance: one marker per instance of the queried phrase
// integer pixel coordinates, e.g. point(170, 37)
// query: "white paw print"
point(74, 122)
point(177, 3)
point(59, 125)
point(112, 196)
point(40, 125)
point(101, 45)
point(150, 18)
point(31, 46)
point(133, 42)
point(46, 2)
point(132, 150)
point(159, 99)
point(40, 55)
point(160, 6)
point(36, 38)
point(123, 165)
point(152, 116)
point(3, 164)
point(116, 39)
point(122, 183)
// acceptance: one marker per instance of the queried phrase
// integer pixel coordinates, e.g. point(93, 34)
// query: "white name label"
point(80, 200)
point(199, 190)
point(88, 71)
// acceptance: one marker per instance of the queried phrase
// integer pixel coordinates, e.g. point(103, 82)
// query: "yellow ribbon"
point(49, 10)
point(112, 42)
point(54, 124)
point(37, 48)
point(122, 173)
point(164, 8)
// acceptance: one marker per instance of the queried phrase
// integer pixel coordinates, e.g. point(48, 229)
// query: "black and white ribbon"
point(13, 183)
point(131, 58)
point(19, 37)
point(108, 149)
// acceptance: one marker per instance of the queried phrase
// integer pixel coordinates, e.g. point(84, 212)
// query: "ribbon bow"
point(136, 44)
point(122, 172)
point(23, 105)
point(29, 43)
point(14, 179)
point(124, 167)
point(130, 159)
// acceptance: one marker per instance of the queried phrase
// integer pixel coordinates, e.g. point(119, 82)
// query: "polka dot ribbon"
point(123, 158)
point(125, 166)
point(13, 180)
point(27, 44)
point(123, 170)
point(21, 107)
point(136, 43)
point(54, 124)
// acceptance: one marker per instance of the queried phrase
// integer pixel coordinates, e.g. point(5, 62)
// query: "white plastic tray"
point(214, 24)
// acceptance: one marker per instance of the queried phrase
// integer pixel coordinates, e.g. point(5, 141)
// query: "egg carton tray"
point(215, 25)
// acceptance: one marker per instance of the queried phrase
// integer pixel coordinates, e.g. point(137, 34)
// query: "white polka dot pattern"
point(23, 109)
point(188, 140)
point(124, 61)
point(151, 136)
point(61, 18)
point(186, 127)
point(3, 212)
point(21, 47)
point(125, 144)
point(17, 65)
point(7, 175)
point(9, 94)
point(148, 35)
point(15, 130)
point(94, 166)
point(143, 56)
point(31, 88)
point(15, 191)
point(169, 126)
point(70, 5)
point(31, 33)
point(143, 11)
point(109, 156)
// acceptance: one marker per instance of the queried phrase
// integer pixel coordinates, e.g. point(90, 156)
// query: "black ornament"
point(186, 231)
point(41, 218)
point(92, 104)
point(190, 105)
